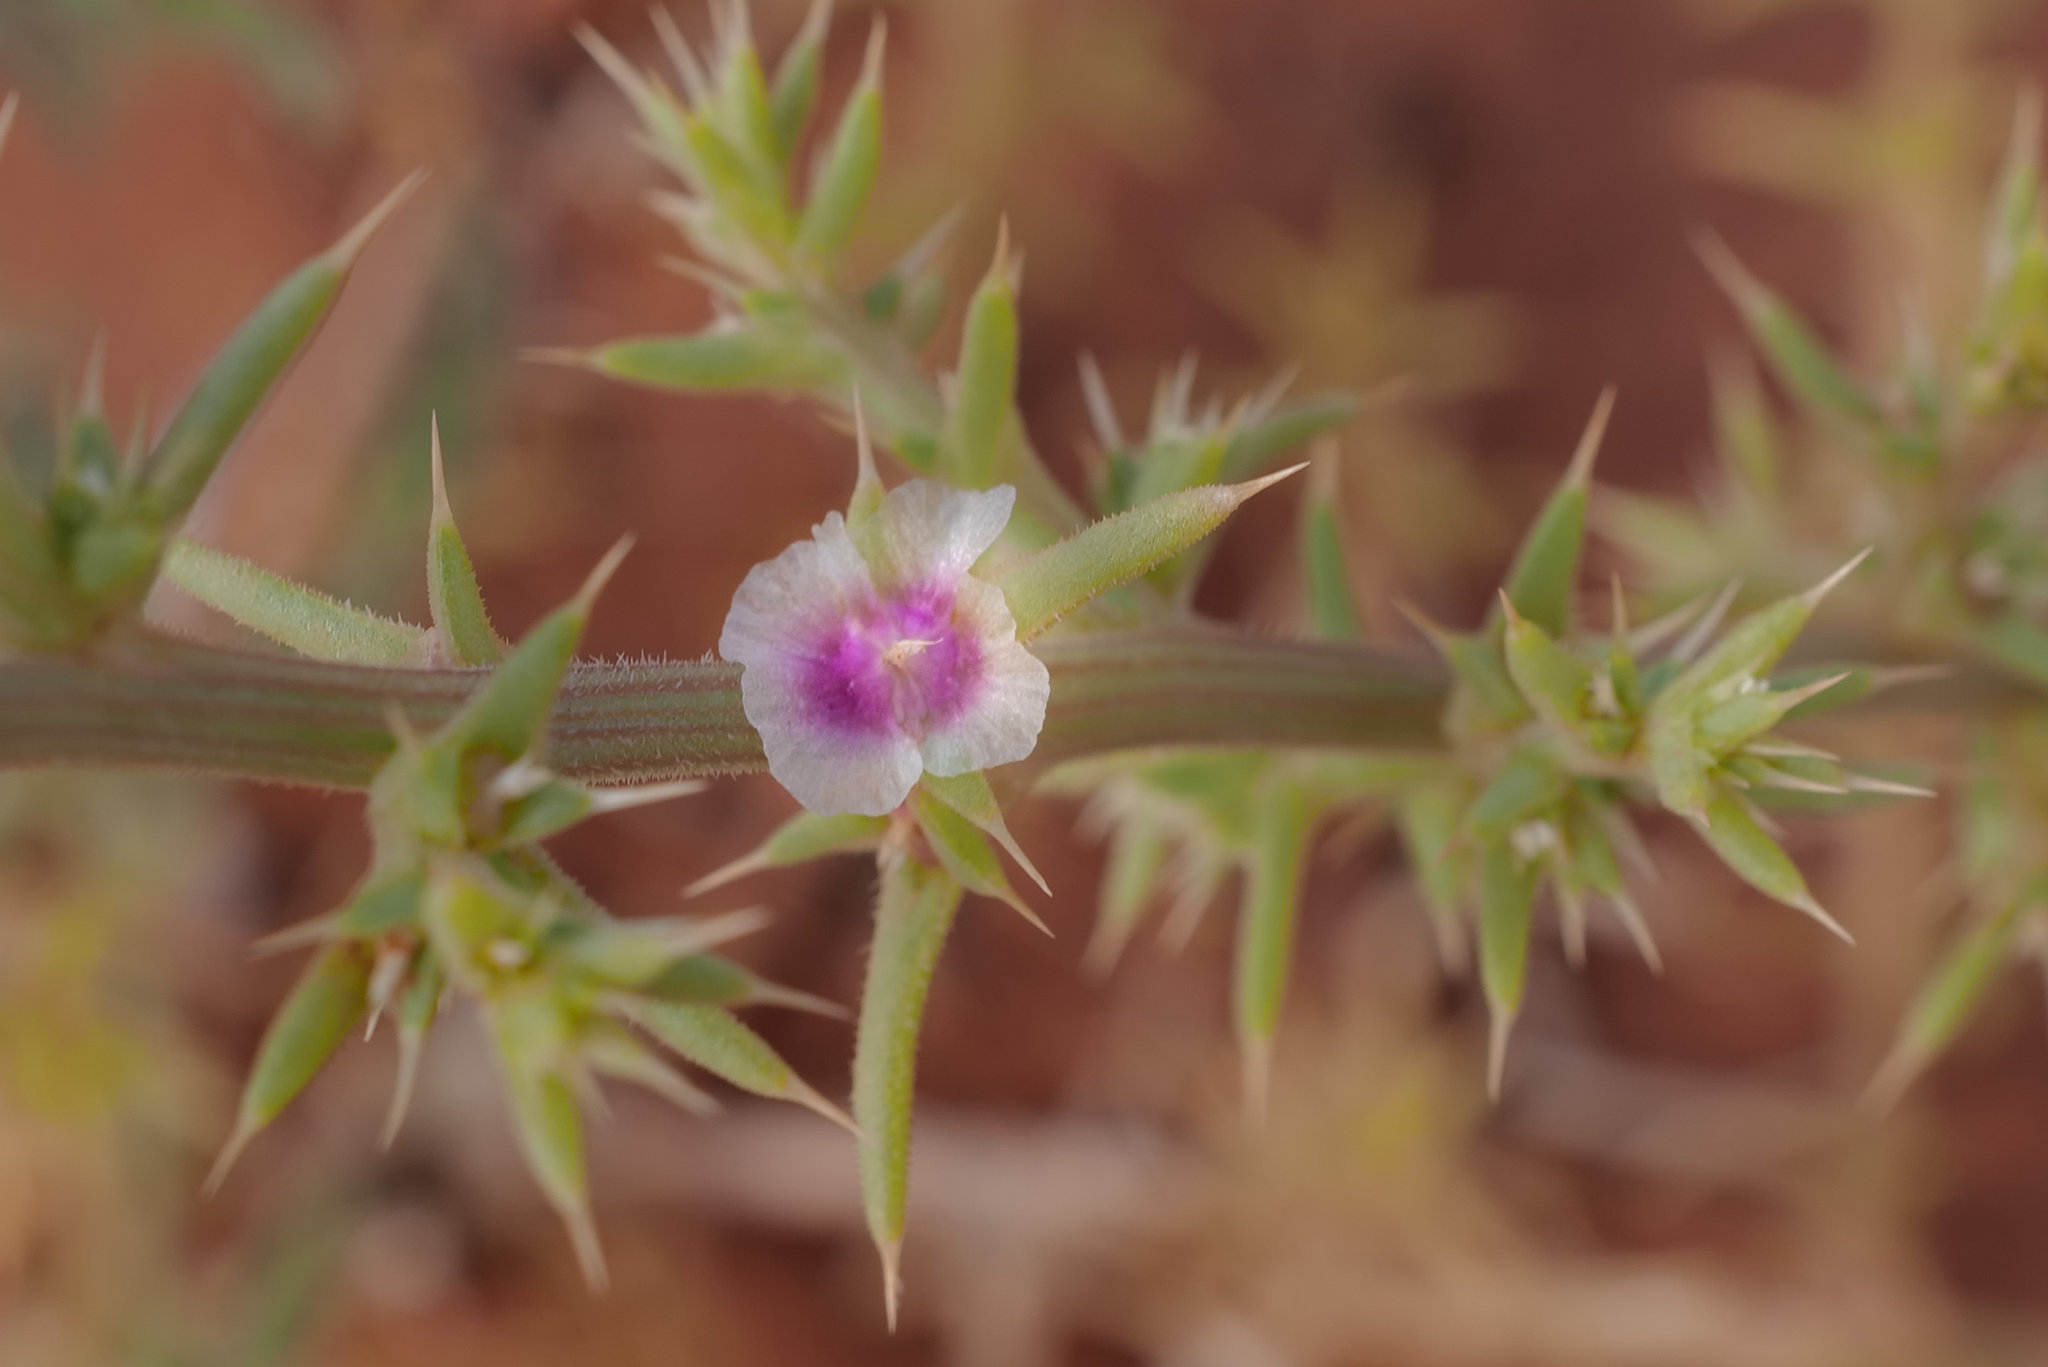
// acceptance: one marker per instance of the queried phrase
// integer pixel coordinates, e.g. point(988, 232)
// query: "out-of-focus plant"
point(56, 49)
point(1932, 466)
point(914, 663)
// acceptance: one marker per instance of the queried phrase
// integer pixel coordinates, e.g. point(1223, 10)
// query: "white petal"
point(1002, 723)
point(829, 772)
point(781, 599)
point(778, 616)
point(931, 533)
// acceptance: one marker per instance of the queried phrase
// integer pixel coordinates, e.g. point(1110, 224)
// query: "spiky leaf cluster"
point(77, 556)
point(462, 901)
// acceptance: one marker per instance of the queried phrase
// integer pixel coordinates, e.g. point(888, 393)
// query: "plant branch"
point(157, 702)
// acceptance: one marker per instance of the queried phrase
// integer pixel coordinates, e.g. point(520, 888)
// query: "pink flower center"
point(898, 662)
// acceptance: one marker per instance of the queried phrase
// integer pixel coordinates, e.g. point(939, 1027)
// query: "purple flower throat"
point(895, 662)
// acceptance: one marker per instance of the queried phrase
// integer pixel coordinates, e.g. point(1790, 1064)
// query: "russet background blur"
point(1490, 200)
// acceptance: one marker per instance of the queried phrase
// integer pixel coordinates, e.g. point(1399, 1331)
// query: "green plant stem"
point(883, 365)
point(158, 702)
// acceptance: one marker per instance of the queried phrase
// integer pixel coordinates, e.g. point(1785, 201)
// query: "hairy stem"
point(157, 702)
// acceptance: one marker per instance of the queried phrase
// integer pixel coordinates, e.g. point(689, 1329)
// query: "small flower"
point(863, 671)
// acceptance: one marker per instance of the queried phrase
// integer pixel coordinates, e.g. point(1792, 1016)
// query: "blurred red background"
point(1491, 199)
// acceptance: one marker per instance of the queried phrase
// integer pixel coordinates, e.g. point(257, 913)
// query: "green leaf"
point(462, 625)
point(416, 1012)
point(710, 980)
point(1265, 931)
point(509, 714)
point(970, 795)
point(1527, 786)
point(33, 602)
point(1254, 446)
point(1753, 645)
point(845, 174)
point(1795, 354)
point(729, 355)
point(1555, 682)
point(1726, 726)
point(1546, 568)
point(2016, 206)
point(746, 192)
point(1331, 609)
point(1117, 549)
point(296, 617)
point(1429, 816)
point(746, 111)
point(912, 915)
point(614, 1052)
point(1760, 861)
point(1944, 1003)
point(318, 1015)
point(1138, 848)
point(987, 378)
point(631, 954)
point(1507, 893)
point(1744, 434)
point(964, 854)
point(550, 1134)
point(246, 368)
point(796, 80)
point(802, 838)
point(1679, 768)
point(716, 1041)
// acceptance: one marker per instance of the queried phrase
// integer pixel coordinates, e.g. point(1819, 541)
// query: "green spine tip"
point(576, 358)
point(1806, 902)
point(1499, 1025)
point(600, 575)
point(343, 254)
point(1001, 265)
point(1571, 927)
point(246, 1129)
point(1109, 429)
point(742, 867)
point(1728, 270)
point(1436, 633)
point(1242, 493)
point(999, 830)
point(871, 59)
point(696, 936)
point(1579, 473)
point(589, 1252)
point(811, 1099)
point(891, 1254)
point(613, 64)
point(1255, 1058)
point(1703, 628)
point(92, 385)
point(867, 480)
point(387, 975)
point(311, 931)
point(443, 512)
point(1884, 787)
point(404, 738)
point(1812, 597)
point(411, 1046)
point(688, 70)
point(792, 999)
point(604, 800)
point(1631, 917)
point(1894, 1077)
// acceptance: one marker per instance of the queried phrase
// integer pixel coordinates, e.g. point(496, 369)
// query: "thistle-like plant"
point(920, 659)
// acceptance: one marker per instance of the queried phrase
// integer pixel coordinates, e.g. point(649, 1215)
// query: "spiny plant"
point(933, 650)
